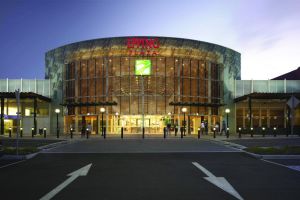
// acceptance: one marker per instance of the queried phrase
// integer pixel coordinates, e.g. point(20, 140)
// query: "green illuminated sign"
point(142, 67)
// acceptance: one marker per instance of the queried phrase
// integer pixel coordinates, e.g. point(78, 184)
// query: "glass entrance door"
point(132, 124)
point(93, 122)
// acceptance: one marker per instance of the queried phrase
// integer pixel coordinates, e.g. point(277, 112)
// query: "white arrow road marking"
point(220, 182)
point(80, 172)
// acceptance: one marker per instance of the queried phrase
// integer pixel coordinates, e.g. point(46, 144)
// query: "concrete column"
point(2, 116)
point(209, 119)
point(284, 85)
point(234, 92)
point(285, 116)
point(178, 92)
point(244, 87)
point(106, 93)
point(244, 114)
point(259, 116)
point(49, 88)
point(43, 88)
point(268, 117)
point(76, 120)
point(209, 94)
point(34, 115)
point(99, 125)
point(209, 81)
point(35, 86)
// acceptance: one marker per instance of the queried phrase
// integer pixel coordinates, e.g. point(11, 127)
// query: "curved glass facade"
point(174, 83)
point(88, 75)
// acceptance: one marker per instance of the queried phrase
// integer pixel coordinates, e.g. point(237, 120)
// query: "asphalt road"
point(170, 145)
point(148, 176)
point(27, 142)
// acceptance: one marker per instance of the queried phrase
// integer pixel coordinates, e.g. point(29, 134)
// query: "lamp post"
point(102, 110)
point(57, 111)
point(169, 123)
point(117, 114)
point(9, 131)
point(184, 111)
point(227, 111)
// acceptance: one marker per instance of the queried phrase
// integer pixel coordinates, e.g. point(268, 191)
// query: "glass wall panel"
point(260, 86)
point(280, 86)
point(247, 87)
point(293, 86)
point(3, 85)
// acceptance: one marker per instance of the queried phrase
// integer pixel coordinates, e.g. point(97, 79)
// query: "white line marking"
point(274, 163)
point(159, 152)
point(12, 164)
point(80, 172)
point(286, 166)
point(294, 167)
point(220, 182)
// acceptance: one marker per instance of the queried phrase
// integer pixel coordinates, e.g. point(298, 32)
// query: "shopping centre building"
point(145, 84)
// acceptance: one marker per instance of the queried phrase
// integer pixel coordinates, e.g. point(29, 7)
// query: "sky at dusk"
point(265, 32)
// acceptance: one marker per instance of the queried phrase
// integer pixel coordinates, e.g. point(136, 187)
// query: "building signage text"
point(143, 46)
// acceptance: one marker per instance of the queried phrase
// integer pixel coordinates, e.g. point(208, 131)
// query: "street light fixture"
point(227, 111)
point(117, 115)
point(102, 110)
point(57, 111)
point(184, 111)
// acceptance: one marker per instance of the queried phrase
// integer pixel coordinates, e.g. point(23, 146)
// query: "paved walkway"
point(267, 142)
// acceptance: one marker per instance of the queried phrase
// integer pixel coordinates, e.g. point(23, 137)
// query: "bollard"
point(9, 131)
point(176, 130)
point(32, 132)
point(214, 132)
point(274, 129)
point(198, 133)
point(240, 132)
point(227, 133)
point(143, 132)
point(164, 132)
point(45, 131)
point(21, 132)
point(71, 133)
point(87, 133)
point(263, 131)
point(181, 132)
point(104, 132)
point(122, 132)
point(57, 132)
point(251, 131)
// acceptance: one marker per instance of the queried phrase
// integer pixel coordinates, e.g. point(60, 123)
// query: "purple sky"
point(266, 32)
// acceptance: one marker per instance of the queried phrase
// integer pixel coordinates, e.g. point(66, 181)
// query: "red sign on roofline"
point(143, 46)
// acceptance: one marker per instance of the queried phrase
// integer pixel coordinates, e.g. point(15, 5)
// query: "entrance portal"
point(133, 123)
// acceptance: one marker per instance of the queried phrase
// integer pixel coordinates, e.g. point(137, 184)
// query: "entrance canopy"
point(270, 96)
point(196, 104)
point(24, 95)
point(80, 104)
point(34, 99)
